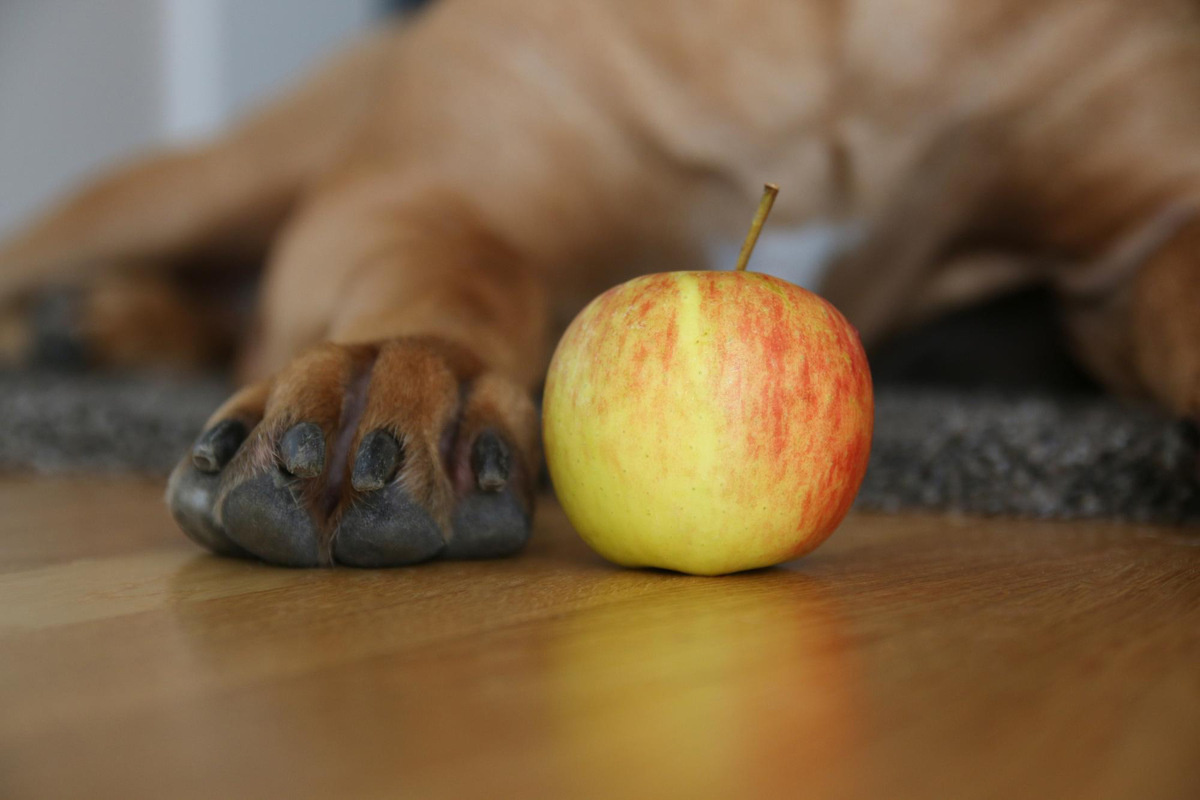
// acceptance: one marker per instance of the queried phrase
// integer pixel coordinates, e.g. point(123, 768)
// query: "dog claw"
point(303, 450)
point(490, 461)
point(376, 462)
point(217, 445)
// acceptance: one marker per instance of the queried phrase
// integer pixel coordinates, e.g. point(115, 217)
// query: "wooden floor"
point(912, 656)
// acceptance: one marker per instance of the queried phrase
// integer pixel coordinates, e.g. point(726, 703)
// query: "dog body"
point(434, 205)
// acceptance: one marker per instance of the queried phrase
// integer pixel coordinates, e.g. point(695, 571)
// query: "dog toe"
point(490, 520)
point(191, 498)
point(386, 528)
point(267, 517)
point(489, 526)
point(195, 485)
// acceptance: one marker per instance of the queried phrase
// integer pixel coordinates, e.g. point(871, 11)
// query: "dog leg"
point(122, 321)
point(923, 234)
point(214, 208)
point(1142, 337)
point(411, 433)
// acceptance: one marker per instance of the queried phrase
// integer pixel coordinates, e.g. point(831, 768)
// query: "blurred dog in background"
point(430, 208)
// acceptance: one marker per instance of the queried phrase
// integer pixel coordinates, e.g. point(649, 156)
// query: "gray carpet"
point(1026, 455)
point(1033, 456)
point(62, 423)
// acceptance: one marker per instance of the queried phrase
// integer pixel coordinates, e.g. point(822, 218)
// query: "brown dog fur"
point(474, 175)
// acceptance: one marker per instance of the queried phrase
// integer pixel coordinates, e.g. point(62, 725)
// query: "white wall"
point(300, 30)
point(85, 82)
point(78, 86)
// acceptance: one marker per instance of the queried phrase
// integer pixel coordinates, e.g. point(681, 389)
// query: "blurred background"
point(974, 408)
point(85, 82)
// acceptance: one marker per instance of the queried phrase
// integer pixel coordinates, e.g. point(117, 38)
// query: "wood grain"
point(912, 656)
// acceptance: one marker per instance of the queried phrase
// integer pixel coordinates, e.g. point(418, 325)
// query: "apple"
point(707, 422)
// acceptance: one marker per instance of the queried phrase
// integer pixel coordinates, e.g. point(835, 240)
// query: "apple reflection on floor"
point(727, 687)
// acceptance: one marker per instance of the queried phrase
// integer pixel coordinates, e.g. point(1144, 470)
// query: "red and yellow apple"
point(707, 422)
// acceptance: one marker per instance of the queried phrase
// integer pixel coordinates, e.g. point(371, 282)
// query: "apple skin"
point(707, 422)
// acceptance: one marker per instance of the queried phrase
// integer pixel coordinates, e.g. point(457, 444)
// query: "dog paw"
point(118, 322)
point(367, 456)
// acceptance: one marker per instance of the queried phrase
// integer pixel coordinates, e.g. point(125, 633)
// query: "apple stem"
point(764, 208)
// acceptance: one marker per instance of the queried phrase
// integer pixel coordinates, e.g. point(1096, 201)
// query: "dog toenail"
point(489, 459)
point(217, 445)
point(376, 462)
point(303, 450)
